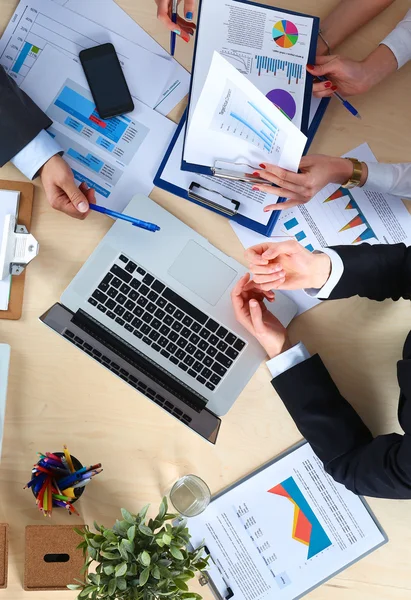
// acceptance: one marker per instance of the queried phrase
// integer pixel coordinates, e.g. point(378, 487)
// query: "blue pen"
point(173, 34)
point(132, 220)
point(344, 102)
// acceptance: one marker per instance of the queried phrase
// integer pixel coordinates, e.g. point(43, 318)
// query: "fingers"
point(296, 186)
point(270, 279)
point(256, 316)
point(75, 195)
point(189, 6)
point(287, 204)
point(254, 254)
point(268, 269)
point(278, 248)
point(89, 193)
point(323, 65)
point(324, 89)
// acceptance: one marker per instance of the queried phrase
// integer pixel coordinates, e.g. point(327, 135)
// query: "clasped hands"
point(275, 266)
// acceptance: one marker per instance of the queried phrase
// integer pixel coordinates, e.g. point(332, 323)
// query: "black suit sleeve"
point(21, 120)
point(376, 272)
point(380, 466)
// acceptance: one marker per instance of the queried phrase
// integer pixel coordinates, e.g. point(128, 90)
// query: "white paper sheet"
point(250, 37)
point(118, 157)
point(285, 530)
point(9, 202)
point(233, 121)
point(338, 216)
point(4, 371)
point(37, 24)
point(109, 14)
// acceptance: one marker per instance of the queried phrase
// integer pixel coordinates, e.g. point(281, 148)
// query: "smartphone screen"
point(106, 80)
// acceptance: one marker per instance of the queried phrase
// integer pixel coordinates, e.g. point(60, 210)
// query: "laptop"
point(4, 372)
point(155, 309)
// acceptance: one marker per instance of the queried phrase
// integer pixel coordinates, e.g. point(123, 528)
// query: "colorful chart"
point(284, 101)
point(285, 34)
point(358, 220)
point(306, 528)
point(266, 65)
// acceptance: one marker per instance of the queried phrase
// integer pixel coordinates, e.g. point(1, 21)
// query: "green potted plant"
point(139, 560)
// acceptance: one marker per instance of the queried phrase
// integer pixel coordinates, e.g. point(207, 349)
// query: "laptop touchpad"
point(202, 272)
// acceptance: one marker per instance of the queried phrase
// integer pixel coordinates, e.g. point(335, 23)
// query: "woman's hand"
point(345, 76)
point(287, 266)
point(317, 171)
point(184, 27)
point(251, 312)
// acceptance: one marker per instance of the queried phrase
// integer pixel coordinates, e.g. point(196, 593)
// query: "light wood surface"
point(57, 395)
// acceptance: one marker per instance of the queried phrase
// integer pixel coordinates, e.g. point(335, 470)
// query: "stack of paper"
point(9, 202)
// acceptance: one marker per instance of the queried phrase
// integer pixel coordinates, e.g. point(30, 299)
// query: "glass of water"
point(190, 496)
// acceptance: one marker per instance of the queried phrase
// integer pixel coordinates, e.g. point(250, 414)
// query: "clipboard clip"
point(210, 198)
point(18, 248)
point(206, 579)
point(235, 171)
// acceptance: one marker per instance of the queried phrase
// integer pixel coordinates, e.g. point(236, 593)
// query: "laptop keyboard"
point(173, 327)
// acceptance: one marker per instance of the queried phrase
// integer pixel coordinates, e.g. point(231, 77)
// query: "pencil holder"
point(78, 491)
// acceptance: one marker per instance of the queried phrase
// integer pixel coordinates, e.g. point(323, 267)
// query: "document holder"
point(209, 198)
point(235, 172)
point(4, 552)
point(51, 558)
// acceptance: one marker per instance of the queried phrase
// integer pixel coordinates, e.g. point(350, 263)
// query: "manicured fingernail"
point(310, 66)
point(177, 31)
point(256, 174)
point(82, 206)
point(253, 303)
point(266, 210)
point(255, 188)
point(263, 166)
point(189, 15)
point(327, 84)
point(185, 36)
point(334, 88)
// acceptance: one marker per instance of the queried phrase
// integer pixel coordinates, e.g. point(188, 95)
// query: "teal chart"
point(358, 221)
point(285, 34)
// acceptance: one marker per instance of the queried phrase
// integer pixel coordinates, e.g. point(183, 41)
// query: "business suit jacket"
point(374, 466)
point(21, 120)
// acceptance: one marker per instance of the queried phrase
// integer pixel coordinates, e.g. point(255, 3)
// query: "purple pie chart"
point(284, 101)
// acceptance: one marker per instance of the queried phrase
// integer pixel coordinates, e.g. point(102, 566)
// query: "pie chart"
point(284, 101)
point(285, 34)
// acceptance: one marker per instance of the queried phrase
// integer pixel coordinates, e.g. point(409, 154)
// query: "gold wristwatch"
point(355, 179)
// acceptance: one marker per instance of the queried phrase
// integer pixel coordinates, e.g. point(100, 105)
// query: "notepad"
point(9, 204)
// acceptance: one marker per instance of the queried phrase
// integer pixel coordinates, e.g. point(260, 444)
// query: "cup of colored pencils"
point(58, 480)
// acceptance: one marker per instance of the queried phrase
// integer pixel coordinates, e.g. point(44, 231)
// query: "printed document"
point(117, 157)
point(268, 47)
point(285, 530)
point(109, 14)
point(37, 24)
point(234, 122)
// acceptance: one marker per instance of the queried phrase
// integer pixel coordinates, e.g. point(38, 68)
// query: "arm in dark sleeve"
point(20, 119)
point(376, 272)
point(380, 466)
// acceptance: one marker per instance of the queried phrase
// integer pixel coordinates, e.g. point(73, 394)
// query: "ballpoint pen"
point(344, 102)
point(173, 34)
point(132, 220)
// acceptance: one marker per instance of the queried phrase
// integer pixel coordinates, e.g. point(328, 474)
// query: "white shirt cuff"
point(399, 40)
point(288, 359)
point(33, 156)
point(392, 179)
point(337, 270)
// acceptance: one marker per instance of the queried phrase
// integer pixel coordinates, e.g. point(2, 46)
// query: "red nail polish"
point(256, 174)
point(328, 84)
point(255, 188)
point(185, 36)
point(310, 66)
point(334, 88)
point(263, 166)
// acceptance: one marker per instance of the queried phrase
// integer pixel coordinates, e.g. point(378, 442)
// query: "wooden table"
point(56, 395)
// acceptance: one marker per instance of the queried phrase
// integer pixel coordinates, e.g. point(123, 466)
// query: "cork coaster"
point(51, 559)
point(4, 553)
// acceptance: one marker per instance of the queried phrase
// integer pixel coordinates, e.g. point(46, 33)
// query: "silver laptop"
point(155, 309)
point(4, 372)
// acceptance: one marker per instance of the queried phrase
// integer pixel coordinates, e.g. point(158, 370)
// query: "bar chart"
point(292, 71)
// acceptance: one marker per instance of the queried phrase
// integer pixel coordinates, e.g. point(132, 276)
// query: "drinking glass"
point(190, 496)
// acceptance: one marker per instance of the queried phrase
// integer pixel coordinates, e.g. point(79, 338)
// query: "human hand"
point(251, 312)
point(343, 75)
point(184, 27)
point(61, 190)
point(317, 171)
point(287, 266)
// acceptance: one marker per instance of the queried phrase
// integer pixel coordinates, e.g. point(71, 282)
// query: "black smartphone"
point(106, 80)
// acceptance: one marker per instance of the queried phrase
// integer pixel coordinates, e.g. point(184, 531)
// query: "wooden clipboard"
point(24, 218)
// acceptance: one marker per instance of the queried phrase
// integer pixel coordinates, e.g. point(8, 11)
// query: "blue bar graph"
point(310, 247)
point(22, 57)
point(300, 236)
point(290, 224)
point(273, 65)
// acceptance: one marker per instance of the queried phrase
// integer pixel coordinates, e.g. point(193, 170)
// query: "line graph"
point(242, 61)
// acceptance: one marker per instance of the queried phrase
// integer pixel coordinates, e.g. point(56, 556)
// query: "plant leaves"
point(112, 587)
point(156, 572)
point(128, 517)
point(73, 586)
point(143, 512)
point(145, 530)
point(79, 531)
point(108, 569)
point(121, 569)
point(176, 553)
point(181, 585)
point(128, 546)
point(109, 555)
point(121, 584)
point(110, 536)
point(144, 575)
point(131, 533)
point(162, 510)
point(145, 558)
point(167, 539)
